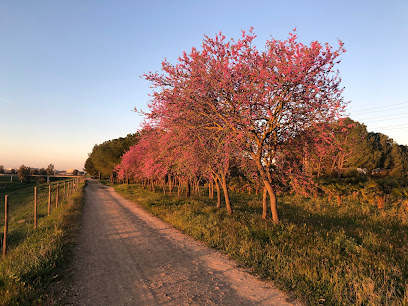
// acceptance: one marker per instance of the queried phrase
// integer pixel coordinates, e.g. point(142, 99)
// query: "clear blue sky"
point(70, 70)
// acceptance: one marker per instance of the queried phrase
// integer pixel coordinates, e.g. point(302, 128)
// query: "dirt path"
point(127, 257)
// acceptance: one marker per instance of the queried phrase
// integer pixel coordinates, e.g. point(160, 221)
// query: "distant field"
point(354, 254)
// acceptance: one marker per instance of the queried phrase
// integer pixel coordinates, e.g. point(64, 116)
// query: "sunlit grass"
point(36, 258)
point(323, 254)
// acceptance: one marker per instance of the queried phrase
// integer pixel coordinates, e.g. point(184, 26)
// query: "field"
point(34, 257)
point(355, 254)
point(21, 201)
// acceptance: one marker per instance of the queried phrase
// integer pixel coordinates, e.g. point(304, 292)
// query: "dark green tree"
point(89, 167)
point(42, 171)
point(388, 155)
point(34, 171)
point(24, 174)
point(358, 148)
point(104, 157)
point(50, 169)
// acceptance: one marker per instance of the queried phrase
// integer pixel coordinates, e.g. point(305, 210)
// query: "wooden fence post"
point(5, 226)
point(65, 195)
point(35, 207)
point(49, 199)
point(57, 196)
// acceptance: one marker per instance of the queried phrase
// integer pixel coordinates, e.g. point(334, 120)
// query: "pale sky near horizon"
point(70, 70)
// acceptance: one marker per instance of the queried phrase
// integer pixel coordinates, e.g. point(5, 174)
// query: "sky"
point(70, 71)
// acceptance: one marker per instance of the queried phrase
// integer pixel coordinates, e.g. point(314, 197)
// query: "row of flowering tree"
point(230, 103)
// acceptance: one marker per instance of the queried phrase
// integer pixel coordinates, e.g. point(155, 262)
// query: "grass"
point(21, 206)
point(36, 259)
point(321, 253)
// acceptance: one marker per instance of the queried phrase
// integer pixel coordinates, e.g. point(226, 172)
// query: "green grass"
point(321, 253)
point(21, 206)
point(36, 258)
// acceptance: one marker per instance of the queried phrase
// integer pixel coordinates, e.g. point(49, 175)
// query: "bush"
point(41, 180)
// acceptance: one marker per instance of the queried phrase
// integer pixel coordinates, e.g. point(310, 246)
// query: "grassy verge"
point(321, 253)
point(20, 202)
point(38, 259)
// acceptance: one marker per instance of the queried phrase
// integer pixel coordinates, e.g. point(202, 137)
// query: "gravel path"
point(126, 256)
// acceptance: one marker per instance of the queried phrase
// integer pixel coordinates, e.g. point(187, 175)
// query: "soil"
point(125, 256)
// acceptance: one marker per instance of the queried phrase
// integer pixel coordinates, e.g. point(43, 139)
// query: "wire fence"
point(23, 208)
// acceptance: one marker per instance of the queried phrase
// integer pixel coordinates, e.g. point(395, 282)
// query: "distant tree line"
point(3, 170)
point(104, 157)
point(25, 172)
point(353, 150)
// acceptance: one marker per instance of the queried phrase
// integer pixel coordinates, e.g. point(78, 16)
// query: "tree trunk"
point(267, 184)
point(274, 206)
point(333, 164)
point(338, 200)
point(194, 186)
point(319, 167)
point(164, 186)
point(198, 188)
point(217, 186)
point(226, 195)
point(264, 205)
point(188, 188)
point(170, 183)
point(341, 164)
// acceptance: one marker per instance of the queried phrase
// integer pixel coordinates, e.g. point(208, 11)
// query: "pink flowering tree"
point(262, 100)
point(197, 140)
